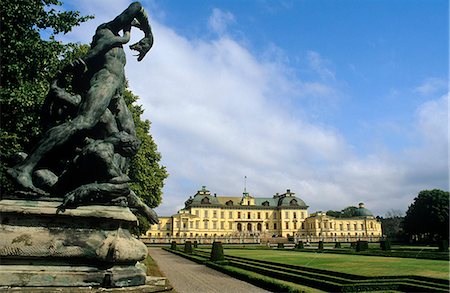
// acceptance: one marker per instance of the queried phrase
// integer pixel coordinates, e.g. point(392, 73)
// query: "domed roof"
point(291, 201)
point(361, 211)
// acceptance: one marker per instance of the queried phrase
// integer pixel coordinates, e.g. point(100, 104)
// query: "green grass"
point(351, 264)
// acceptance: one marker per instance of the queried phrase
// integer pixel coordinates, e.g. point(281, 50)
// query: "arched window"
point(293, 202)
point(205, 200)
point(249, 226)
point(239, 227)
point(229, 203)
point(266, 203)
point(259, 227)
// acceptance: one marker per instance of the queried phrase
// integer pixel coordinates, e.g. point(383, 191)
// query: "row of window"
point(248, 215)
point(326, 225)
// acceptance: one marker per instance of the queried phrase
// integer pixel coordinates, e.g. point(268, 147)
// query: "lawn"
point(352, 264)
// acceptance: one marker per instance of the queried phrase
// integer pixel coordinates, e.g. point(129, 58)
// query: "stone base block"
point(87, 246)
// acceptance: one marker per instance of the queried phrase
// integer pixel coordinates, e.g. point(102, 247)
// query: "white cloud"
point(432, 86)
point(220, 20)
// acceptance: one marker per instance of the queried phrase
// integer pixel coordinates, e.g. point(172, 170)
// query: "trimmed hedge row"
point(434, 255)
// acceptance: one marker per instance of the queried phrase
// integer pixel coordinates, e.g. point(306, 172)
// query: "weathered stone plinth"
point(86, 246)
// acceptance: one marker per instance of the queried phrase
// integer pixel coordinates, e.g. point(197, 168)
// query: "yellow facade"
point(283, 215)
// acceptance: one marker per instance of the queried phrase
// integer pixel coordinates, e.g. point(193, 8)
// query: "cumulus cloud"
point(220, 20)
point(431, 86)
point(220, 113)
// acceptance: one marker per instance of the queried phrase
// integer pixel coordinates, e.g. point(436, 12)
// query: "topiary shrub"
point(385, 245)
point(173, 245)
point(320, 245)
point(188, 247)
point(337, 245)
point(443, 245)
point(300, 245)
point(195, 244)
point(280, 246)
point(217, 252)
point(353, 245)
point(362, 245)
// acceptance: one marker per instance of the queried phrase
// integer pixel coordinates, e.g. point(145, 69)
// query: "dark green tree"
point(348, 212)
point(28, 62)
point(146, 174)
point(427, 217)
point(392, 224)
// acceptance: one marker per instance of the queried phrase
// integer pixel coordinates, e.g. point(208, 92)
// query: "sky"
point(339, 101)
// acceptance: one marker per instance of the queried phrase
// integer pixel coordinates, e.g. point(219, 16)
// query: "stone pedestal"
point(86, 246)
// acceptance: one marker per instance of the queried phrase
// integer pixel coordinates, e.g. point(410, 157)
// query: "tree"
point(28, 62)
point(146, 174)
point(28, 65)
point(348, 212)
point(427, 217)
point(392, 224)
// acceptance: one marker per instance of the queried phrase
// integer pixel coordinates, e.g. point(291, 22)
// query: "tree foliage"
point(392, 224)
point(145, 171)
point(29, 62)
point(427, 217)
point(348, 212)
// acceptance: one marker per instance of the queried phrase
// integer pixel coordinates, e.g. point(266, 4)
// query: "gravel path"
point(189, 277)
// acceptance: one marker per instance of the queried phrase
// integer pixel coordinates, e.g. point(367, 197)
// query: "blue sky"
point(339, 101)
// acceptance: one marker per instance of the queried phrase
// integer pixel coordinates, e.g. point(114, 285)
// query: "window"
point(230, 226)
point(197, 213)
point(249, 215)
point(259, 227)
point(205, 200)
point(259, 215)
point(222, 215)
point(293, 202)
point(274, 215)
point(303, 215)
point(362, 226)
point(229, 203)
point(286, 215)
point(248, 202)
point(267, 226)
point(184, 225)
point(214, 214)
point(191, 224)
point(266, 204)
point(287, 225)
point(303, 225)
point(249, 226)
point(355, 227)
point(295, 215)
point(222, 225)
point(295, 225)
point(230, 215)
point(197, 224)
point(239, 227)
point(267, 215)
point(214, 225)
point(239, 215)
point(275, 226)
point(206, 224)
point(371, 225)
point(348, 226)
point(206, 214)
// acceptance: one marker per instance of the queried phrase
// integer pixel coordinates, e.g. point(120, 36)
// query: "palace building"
point(283, 215)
